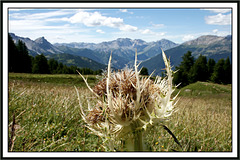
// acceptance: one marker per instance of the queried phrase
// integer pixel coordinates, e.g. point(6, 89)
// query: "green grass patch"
point(204, 89)
point(57, 79)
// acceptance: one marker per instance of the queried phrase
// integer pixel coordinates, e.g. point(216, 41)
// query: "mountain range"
point(125, 47)
point(214, 47)
point(38, 46)
point(96, 55)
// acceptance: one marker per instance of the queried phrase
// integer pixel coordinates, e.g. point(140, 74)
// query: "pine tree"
point(182, 75)
point(227, 72)
point(65, 69)
point(218, 73)
point(19, 60)
point(199, 71)
point(73, 69)
point(24, 61)
point(188, 61)
point(60, 68)
point(210, 65)
point(13, 55)
point(53, 65)
point(40, 65)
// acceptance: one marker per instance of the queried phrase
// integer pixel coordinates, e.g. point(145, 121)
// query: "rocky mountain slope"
point(125, 47)
point(81, 62)
point(38, 46)
point(123, 50)
point(42, 46)
point(210, 46)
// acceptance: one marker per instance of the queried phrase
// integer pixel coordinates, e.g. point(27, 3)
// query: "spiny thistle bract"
point(126, 104)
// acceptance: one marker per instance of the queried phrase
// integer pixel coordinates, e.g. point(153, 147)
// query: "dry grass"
point(203, 124)
point(47, 118)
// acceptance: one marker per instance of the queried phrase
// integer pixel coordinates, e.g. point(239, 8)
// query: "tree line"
point(20, 61)
point(201, 69)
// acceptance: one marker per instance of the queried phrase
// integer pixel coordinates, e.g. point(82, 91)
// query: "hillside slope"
point(73, 60)
point(210, 46)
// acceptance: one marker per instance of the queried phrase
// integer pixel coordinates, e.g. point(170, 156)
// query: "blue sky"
point(98, 25)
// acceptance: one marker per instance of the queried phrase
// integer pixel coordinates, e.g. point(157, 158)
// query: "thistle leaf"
point(87, 84)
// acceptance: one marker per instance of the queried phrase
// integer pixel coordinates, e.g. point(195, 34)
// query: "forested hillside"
point(20, 61)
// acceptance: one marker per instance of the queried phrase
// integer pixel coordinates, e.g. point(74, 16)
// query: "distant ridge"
point(125, 47)
point(214, 47)
point(123, 50)
point(73, 60)
point(39, 46)
point(42, 46)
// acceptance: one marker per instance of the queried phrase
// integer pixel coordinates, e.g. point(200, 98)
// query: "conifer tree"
point(24, 61)
point(227, 71)
point(182, 75)
point(13, 55)
point(53, 65)
point(218, 73)
point(199, 71)
point(40, 65)
point(60, 68)
point(210, 65)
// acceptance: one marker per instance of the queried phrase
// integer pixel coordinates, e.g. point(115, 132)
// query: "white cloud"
point(96, 19)
point(34, 16)
point(161, 34)
point(188, 37)
point(123, 10)
point(25, 24)
point(128, 28)
point(218, 10)
point(147, 31)
point(221, 33)
point(215, 31)
point(39, 22)
point(152, 33)
point(219, 19)
point(38, 28)
point(34, 25)
point(99, 31)
point(157, 25)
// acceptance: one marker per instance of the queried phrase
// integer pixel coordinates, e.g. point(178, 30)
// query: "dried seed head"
point(125, 99)
point(120, 83)
point(96, 115)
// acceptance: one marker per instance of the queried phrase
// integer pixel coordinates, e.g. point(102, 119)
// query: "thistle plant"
point(126, 104)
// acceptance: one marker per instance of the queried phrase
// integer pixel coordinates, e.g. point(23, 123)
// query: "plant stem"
point(135, 143)
point(138, 141)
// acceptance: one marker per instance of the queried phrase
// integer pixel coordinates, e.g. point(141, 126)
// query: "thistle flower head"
point(127, 102)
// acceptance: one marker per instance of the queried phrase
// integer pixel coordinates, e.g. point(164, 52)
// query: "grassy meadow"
point(44, 115)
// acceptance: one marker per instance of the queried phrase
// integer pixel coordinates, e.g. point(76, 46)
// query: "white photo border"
point(231, 5)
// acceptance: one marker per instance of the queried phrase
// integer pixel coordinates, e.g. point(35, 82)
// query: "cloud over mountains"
point(91, 19)
point(219, 19)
